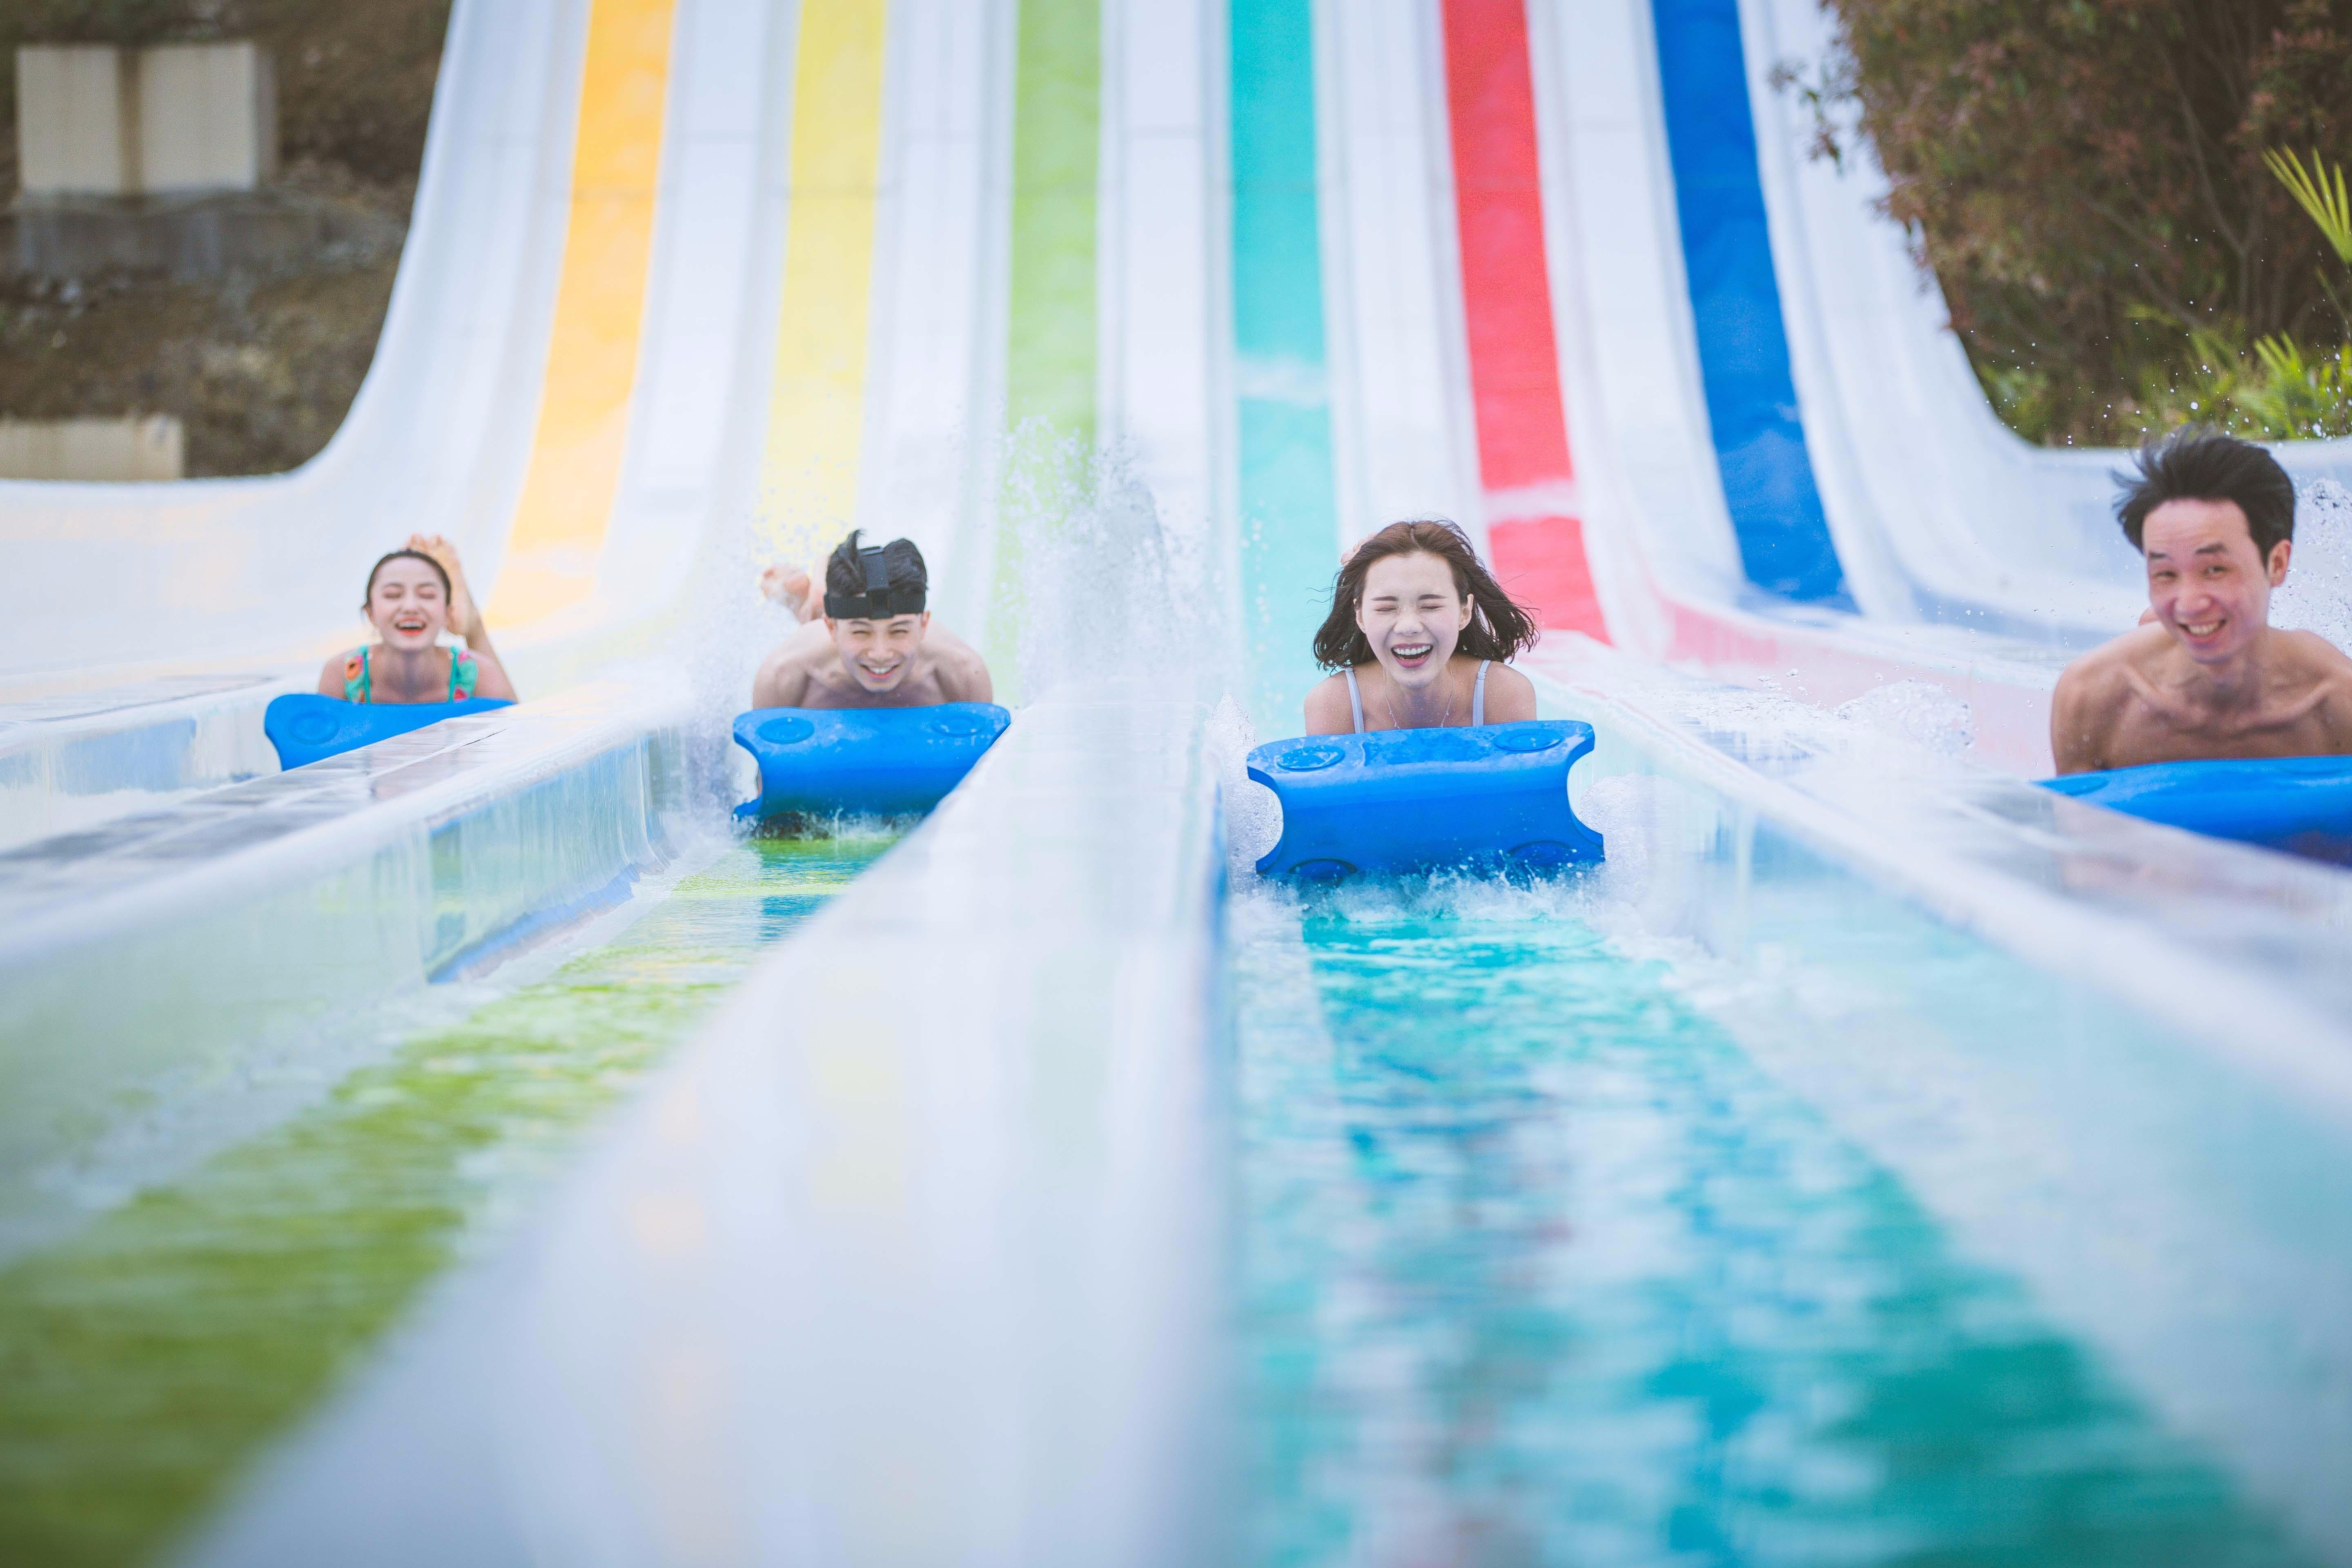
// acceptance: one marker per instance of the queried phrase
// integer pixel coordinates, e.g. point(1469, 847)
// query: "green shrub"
point(2087, 179)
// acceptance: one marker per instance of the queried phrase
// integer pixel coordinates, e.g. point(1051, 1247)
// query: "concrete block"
point(127, 449)
point(207, 118)
point(173, 120)
point(76, 119)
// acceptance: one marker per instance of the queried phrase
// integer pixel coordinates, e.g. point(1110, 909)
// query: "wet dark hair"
point(390, 557)
point(1497, 629)
point(908, 580)
point(2197, 462)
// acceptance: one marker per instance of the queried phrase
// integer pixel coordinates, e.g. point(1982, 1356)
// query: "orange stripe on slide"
point(599, 306)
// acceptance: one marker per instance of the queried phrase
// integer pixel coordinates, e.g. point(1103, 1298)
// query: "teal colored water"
point(1538, 1267)
point(147, 1359)
point(1289, 510)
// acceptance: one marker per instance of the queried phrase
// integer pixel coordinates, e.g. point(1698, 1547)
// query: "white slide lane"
point(148, 578)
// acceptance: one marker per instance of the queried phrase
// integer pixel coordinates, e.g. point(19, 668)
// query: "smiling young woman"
point(414, 595)
point(1420, 634)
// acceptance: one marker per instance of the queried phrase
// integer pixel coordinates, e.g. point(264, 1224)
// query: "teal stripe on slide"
point(1289, 516)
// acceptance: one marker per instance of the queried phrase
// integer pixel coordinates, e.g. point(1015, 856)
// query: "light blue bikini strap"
point(1355, 699)
point(1479, 694)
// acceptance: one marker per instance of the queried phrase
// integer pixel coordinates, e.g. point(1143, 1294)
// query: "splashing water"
point(1253, 814)
point(2318, 593)
point(1094, 581)
point(731, 627)
point(1919, 712)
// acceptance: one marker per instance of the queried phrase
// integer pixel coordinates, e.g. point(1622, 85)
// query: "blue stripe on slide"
point(1743, 344)
point(1289, 510)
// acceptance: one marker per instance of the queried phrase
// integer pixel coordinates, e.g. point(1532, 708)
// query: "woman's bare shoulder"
point(331, 676)
point(1328, 710)
point(1510, 696)
point(490, 678)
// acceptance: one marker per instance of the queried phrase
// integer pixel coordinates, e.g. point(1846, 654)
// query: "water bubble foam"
point(1253, 814)
point(1105, 585)
point(2318, 593)
point(1919, 712)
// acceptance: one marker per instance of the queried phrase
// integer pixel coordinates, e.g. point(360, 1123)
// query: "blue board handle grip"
point(306, 727)
point(2300, 805)
point(1483, 797)
point(885, 761)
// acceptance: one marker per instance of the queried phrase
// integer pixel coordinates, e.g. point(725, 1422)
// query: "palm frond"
point(2319, 191)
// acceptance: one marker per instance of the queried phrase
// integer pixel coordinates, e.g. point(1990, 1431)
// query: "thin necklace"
point(1388, 700)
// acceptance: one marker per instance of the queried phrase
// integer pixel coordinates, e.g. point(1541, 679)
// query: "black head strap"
point(880, 601)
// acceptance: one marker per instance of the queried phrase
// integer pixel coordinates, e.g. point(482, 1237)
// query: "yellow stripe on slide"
point(600, 309)
point(817, 412)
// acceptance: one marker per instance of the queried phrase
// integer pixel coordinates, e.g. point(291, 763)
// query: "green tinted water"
point(1538, 1267)
point(144, 1362)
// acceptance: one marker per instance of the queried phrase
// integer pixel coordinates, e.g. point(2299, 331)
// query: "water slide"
point(1133, 315)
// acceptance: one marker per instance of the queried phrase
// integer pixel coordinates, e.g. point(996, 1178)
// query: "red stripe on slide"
point(1506, 301)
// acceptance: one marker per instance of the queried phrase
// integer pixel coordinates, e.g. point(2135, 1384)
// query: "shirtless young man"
point(873, 646)
point(2207, 675)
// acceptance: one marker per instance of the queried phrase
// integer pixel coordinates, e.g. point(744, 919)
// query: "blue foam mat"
point(887, 760)
point(306, 727)
point(2302, 804)
point(1486, 796)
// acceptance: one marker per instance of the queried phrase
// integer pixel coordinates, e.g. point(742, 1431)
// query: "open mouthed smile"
point(1413, 655)
point(2201, 630)
point(410, 625)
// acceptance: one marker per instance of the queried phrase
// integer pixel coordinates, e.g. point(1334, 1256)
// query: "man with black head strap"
point(2205, 675)
point(873, 646)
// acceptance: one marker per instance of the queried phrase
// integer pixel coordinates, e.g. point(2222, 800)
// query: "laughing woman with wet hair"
point(1420, 634)
point(414, 595)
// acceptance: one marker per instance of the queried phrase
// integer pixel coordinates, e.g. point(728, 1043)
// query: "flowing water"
point(1538, 1267)
point(145, 1362)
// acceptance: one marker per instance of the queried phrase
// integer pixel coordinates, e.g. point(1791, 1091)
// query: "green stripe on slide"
point(1056, 125)
point(1049, 370)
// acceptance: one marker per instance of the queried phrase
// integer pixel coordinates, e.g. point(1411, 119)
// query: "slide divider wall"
point(181, 956)
point(912, 1256)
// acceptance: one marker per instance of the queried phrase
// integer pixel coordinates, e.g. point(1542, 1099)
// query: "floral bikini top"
point(356, 686)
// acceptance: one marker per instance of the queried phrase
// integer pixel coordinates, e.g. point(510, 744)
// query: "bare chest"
point(832, 687)
point(2158, 726)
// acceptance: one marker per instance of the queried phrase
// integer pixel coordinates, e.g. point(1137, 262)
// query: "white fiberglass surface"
point(142, 574)
point(933, 1200)
point(1801, 1186)
point(157, 580)
point(74, 761)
